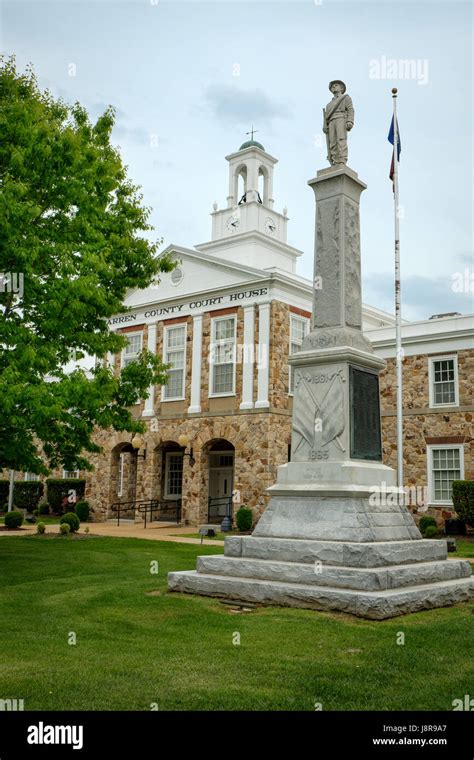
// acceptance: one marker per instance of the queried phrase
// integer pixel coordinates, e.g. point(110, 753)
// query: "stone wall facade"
point(260, 437)
point(424, 425)
point(260, 442)
point(279, 350)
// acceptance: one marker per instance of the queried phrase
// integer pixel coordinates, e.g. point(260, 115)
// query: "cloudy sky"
point(188, 79)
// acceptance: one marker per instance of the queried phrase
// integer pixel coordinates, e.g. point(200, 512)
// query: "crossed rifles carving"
point(328, 410)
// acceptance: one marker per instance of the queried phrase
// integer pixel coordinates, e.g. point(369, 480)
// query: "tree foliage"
point(463, 500)
point(72, 243)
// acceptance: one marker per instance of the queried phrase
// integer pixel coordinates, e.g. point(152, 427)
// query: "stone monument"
point(338, 120)
point(335, 535)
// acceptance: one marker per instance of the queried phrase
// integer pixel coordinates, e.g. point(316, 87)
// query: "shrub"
point(425, 522)
point(83, 510)
point(41, 528)
point(13, 519)
point(71, 519)
point(60, 491)
point(244, 519)
point(36, 512)
point(463, 500)
point(27, 494)
point(430, 531)
point(64, 528)
point(86, 529)
point(43, 508)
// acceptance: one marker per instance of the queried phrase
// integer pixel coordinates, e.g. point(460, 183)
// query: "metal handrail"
point(127, 506)
point(145, 506)
point(219, 501)
point(162, 506)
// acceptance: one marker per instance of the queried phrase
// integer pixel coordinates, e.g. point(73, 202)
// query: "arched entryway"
point(123, 479)
point(218, 471)
point(168, 472)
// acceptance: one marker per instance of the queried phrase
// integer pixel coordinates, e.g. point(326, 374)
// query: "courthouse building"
point(226, 320)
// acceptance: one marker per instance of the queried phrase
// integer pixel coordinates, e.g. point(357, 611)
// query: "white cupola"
point(248, 230)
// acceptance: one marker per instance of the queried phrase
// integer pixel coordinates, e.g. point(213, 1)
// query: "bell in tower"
point(248, 167)
point(248, 230)
point(243, 172)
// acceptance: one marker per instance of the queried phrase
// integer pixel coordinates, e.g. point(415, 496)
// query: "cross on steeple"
point(251, 133)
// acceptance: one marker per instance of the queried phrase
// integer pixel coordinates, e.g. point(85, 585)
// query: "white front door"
point(220, 483)
point(221, 477)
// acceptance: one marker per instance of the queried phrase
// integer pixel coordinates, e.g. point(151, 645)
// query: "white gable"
point(199, 274)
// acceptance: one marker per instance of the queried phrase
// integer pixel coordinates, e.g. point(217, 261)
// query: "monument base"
point(375, 580)
point(338, 501)
point(329, 541)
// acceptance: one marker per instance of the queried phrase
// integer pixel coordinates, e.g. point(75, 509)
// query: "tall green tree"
point(72, 243)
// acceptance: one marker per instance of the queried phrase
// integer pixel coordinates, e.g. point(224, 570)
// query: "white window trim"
point(166, 328)
point(211, 363)
point(431, 361)
point(173, 496)
point(35, 479)
point(67, 477)
point(306, 320)
point(429, 457)
point(120, 479)
point(130, 335)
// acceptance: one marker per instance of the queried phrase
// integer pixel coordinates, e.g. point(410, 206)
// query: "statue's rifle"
point(325, 124)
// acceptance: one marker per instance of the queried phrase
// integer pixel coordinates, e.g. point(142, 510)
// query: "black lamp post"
point(183, 441)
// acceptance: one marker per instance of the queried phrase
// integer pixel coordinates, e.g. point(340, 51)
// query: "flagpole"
point(398, 313)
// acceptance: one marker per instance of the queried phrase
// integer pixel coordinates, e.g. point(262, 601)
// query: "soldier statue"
point(338, 121)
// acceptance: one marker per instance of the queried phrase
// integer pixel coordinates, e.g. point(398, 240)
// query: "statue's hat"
point(338, 81)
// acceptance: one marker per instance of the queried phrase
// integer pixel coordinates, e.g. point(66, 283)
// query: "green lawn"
point(464, 548)
point(174, 650)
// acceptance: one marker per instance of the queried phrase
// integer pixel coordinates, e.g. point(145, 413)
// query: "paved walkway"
point(163, 532)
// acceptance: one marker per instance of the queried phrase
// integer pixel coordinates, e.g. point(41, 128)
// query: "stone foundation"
point(370, 580)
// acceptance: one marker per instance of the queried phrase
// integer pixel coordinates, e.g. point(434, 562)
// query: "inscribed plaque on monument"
point(366, 442)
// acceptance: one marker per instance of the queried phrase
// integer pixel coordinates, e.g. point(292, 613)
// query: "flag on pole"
point(391, 139)
point(394, 139)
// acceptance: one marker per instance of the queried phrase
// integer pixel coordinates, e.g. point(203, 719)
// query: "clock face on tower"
point(270, 225)
point(233, 223)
